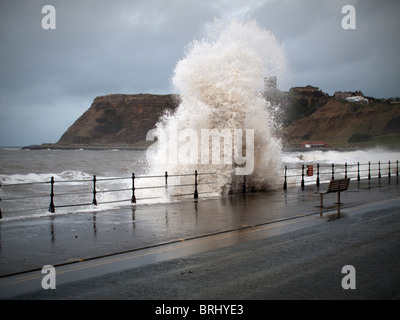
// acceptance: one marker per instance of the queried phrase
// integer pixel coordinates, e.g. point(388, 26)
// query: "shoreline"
point(55, 146)
point(83, 147)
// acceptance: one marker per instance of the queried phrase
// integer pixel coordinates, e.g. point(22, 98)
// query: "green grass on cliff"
point(390, 141)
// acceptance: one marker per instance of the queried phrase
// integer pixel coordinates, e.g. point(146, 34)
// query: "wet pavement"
point(66, 239)
point(31, 244)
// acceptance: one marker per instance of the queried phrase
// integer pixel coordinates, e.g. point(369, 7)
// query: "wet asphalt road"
point(56, 239)
point(271, 245)
point(301, 264)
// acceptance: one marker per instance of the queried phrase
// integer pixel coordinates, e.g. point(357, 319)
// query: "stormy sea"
point(25, 177)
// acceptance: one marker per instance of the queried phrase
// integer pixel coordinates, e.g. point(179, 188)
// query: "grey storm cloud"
point(48, 78)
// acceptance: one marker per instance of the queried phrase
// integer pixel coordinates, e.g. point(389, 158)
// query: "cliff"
point(345, 124)
point(118, 119)
point(122, 121)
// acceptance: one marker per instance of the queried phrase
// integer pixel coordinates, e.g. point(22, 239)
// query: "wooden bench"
point(338, 186)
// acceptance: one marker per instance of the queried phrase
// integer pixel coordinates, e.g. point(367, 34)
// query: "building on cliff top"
point(314, 144)
point(270, 84)
point(306, 89)
point(308, 92)
point(350, 96)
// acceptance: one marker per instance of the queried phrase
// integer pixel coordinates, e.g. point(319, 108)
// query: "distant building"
point(306, 89)
point(342, 95)
point(355, 97)
point(270, 84)
point(314, 144)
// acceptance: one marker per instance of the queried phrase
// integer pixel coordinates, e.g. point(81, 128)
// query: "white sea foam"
point(341, 157)
point(220, 81)
point(44, 177)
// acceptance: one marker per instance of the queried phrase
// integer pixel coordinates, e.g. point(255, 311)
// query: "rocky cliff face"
point(336, 122)
point(118, 119)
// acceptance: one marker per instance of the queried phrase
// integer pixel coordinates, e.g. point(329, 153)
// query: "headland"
point(345, 120)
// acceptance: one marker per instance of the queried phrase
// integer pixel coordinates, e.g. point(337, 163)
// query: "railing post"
point(333, 171)
point(358, 171)
point(317, 175)
point(51, 206)
point(389, 171)
point(369, 170)
point(94, 191)
point(302, 176)
point(1, 215)
point(397, 168)
point(244, 188)
point(345, 170)
point(166, 180)
point(379, 174)
point(133, 200)
point(196, 193)
point(285, 182)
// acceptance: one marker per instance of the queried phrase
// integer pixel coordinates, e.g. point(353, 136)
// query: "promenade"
point(266, 245)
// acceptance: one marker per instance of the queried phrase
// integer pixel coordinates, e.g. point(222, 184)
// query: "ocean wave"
point(341, 157)
point(68, 175)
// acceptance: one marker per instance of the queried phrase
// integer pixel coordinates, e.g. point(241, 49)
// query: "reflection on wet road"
point(90, 244)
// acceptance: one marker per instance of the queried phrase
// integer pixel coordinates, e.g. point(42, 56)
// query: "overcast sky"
point(48, 78)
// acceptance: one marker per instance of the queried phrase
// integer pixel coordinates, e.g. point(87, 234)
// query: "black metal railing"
point(85, 192)
point(325, 172)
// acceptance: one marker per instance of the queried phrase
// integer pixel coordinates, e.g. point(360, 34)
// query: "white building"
point(357, 99)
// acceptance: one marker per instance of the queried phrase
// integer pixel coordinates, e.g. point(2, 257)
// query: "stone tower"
point(270, 84)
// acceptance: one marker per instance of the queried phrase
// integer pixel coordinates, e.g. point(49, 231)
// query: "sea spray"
point(220, 82)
